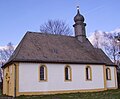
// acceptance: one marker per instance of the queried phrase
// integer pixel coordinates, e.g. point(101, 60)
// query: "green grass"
point(109, 94)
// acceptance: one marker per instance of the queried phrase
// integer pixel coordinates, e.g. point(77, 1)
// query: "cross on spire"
point(77, 7)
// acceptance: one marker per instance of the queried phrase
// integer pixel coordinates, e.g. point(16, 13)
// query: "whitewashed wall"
point(113, 82)
point(29, 78)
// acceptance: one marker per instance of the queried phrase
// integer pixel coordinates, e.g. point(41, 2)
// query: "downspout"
point(15, 82)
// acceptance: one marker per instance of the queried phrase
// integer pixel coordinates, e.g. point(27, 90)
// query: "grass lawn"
point(109, 94)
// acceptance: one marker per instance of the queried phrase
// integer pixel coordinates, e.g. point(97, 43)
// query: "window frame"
point(88, 74)
point(69, 73)
point(108, 73)
point(45, 73)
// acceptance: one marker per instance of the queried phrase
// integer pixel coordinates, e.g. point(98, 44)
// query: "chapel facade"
point(53, 64)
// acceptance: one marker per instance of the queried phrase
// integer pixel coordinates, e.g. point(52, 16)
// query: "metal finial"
point(77, 7)
point(78, 10)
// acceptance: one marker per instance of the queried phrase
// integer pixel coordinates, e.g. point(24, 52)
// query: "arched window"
point(88, 73)
point(43, 73)
point(68, 73)
point(108, 74)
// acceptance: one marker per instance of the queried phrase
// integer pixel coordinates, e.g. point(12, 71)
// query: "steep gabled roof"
point(40, 47)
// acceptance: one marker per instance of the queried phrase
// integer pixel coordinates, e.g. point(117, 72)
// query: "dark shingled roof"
point(41, 47)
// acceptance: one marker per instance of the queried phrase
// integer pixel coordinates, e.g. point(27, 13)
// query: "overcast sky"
point(19, 16)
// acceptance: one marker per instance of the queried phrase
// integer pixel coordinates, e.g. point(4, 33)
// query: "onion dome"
point(78, 17)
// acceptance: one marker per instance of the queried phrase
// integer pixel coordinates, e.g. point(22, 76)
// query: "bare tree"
point(5, 53)
point(111, 46)
point(56, 27)
point(96, 39)
point(108, 43)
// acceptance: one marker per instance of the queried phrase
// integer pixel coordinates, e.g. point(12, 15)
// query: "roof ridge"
point(50, 34)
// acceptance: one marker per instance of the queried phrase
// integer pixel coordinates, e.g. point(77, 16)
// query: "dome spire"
point(78, 16)
point(79, 26)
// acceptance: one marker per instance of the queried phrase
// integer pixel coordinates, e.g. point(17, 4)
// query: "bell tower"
point(79, 26)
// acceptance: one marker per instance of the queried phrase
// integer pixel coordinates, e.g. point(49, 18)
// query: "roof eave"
point(62, 62)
